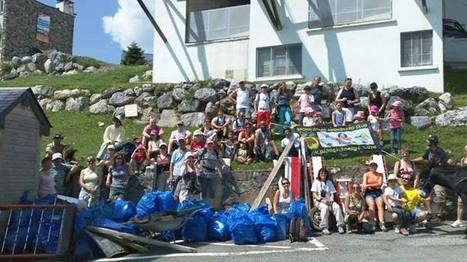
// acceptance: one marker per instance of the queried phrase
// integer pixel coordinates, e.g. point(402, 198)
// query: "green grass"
point(88, 61)
point(94, 82)
point(456, 83)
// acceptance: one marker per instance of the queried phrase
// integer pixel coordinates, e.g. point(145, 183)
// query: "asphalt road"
point(441, 243)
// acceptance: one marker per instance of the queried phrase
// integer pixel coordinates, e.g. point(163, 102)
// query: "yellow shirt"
point(412, 196)
point(114, 134)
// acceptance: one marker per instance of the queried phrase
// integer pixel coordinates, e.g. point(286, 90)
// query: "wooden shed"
point(22, 124)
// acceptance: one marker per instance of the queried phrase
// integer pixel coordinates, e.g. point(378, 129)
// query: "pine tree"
point(133, 55)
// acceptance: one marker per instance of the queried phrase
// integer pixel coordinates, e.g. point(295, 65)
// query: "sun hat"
point(374, 109)
point(56, 156)
point(180, 122)
point(119, 118)
point(397, 104)
point(162, 144)
point(372, 162)
point(392, 177)
point(58, 136)
point(264, 85)
point(110, 146)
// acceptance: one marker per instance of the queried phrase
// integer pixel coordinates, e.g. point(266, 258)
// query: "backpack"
point(201, 158)
point(297, 230)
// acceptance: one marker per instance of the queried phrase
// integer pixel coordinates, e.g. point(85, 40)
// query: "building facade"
point(28, 27)
point(391, 42)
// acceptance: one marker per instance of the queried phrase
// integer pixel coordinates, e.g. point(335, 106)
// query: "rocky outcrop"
point(421, 122)
point(121, 99)
point(453, 118)
point(206, 94)
point(165, 101)
point(193, 119)
point(168, 118)
point(187, 106)
point(101, 107)
point(429, 107)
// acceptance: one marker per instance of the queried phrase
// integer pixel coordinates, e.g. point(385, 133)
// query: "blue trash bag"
point(83, 249)
point(262, 209)
point(127, 227)
point(218, 229)
point(167, 202)
point(147, 205)
point(298, 209)
point(265, 227)
point(242, 228)
point(189, 206)
point(245, 207)
point(168, 235)
point(196, 227)
point(282, 226)
point(123, 210)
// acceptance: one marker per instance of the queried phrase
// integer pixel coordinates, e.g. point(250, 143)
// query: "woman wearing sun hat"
point(396, 118)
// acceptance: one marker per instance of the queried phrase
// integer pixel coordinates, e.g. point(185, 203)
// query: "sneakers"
point(325, 231)
point(404, 232)
point(397, 230)
point(383, 227)
point(412, 229)
point(457, 223)
point(341, 230)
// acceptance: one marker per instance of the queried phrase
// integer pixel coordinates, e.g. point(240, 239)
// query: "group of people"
point(368, 199)
point(189, 163)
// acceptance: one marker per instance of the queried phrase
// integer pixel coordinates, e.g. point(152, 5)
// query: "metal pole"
point(151, 18)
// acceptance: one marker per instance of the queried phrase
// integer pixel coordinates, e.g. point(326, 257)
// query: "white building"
point(391, 42)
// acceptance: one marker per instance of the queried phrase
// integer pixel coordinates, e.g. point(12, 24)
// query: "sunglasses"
point(91, 161)
point(285, 184)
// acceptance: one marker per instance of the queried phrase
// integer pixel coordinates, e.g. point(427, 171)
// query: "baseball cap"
point(392, 177)
point(372, 162)
point(397, 103)
point(56, 156)
point(58, 136)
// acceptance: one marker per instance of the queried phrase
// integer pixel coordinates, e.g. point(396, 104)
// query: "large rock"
point(430, 105)
point(101, 107)
point(90, 69)
point(62, 94)
point(187, 106)
point(12, 75)
point(147, 113)
point(95, 98)
point(26, 60)
point(453, 118)
point(148, 88)
point(178, 94)
point(134, 79)
point(421, 122)
point(55, 106)
point(211, 109)
point(109, 92)
point(168, 118)
point(129, 92)
point(206, 94)
point(59, 68)
point(68, 66)
point(49, 66)
point(407, 106)
point(414, 94)
point(80, 92)
point(44, 102)
point(78, 67)
point(193, 119)
point(138, 90)
point(16, 61)
point(76, 104)
point(218, 84)
point(120, 99)
point(31, 67)
point(41, 91)
point(140, 99)
point(165, 101)
point(447, 100)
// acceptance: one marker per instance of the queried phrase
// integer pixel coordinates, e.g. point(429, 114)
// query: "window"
point(212, 20)
point(417, 48)
point(279, 61)
point(324, 13)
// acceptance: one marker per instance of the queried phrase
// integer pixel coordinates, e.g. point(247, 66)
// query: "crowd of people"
point(189, 163)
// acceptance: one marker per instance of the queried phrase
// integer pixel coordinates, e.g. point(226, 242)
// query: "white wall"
point(176, 61)
point(366, 53)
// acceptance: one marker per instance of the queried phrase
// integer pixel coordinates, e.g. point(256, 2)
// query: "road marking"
point(212, 254)
point(234, 245)
point(315, 242)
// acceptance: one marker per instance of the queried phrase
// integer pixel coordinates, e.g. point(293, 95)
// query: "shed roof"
point(10, 97)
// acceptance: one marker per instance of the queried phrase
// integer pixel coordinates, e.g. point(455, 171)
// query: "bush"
point(5, 68)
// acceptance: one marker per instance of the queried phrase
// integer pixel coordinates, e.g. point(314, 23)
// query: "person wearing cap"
point(264, 143)
point(396, 118)
point(413, 197)
point(114, 134)
point(242, 99)
point(207, 163)
point(177, 160)
point(139, 160)
point(282, 102)
point(394, 204)
point(61, 173)
point(46, 180)
point(198, 143)
point(188, 188)
point(359, 117)
point(56, 146)
point(90, 179)
point(349, 98)
point(375, 123)
point(377, 100)
point(151, 129)
point(221, 124)
point(306, 101)
point(372, 182)
point(180, 132)
point(290, 137)
point(262, 106)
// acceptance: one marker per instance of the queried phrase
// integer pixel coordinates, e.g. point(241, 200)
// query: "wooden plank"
point(107, 246)
point(144, 240)
point(306, 184)
point(271, 176)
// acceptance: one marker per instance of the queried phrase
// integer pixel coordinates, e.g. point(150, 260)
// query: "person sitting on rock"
point(207, 130)
point(247, 136)
point(139, 160)
point(198, 143)
point(242, 156)
point(229, 146)
point(239, 123)
point(113, 134)
point(154, 143)
point(264, 147)
point(151, 128)
point(221, 123)
point(180, 133)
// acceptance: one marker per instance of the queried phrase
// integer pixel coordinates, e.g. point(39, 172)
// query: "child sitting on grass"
point(242, 154)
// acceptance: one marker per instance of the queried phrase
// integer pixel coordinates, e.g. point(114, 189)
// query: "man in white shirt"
point(178, 133)
point(242, 98)
point(262, 106)
point(288, 137)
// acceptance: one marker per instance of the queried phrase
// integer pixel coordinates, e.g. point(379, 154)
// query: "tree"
point(133, 55)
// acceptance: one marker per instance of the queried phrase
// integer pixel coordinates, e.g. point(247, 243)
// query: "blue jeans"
point(208, 186)
point(396, 139)
point(403, 217)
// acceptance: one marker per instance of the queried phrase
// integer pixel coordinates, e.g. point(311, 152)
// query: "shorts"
point(374, 194)
point(439, 194)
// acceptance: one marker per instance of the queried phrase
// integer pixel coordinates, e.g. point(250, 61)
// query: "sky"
point(103, 28)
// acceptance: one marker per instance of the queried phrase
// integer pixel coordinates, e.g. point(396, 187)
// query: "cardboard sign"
point(131, 110)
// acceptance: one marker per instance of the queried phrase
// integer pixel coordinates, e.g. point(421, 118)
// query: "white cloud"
point(130, 24)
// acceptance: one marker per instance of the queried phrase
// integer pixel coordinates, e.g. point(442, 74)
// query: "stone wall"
point(20, 26)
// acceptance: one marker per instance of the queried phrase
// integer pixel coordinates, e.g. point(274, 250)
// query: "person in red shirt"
point(198, 142)
point(152, 126)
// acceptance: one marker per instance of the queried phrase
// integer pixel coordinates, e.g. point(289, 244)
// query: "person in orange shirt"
point(372, 182)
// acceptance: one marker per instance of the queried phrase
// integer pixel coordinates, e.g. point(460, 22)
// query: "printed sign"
point(43, 28)
point(331, 140)
point(131, 110)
